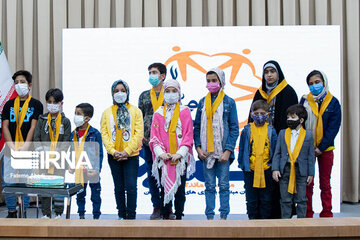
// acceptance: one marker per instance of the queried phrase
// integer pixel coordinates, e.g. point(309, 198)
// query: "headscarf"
point(273, 85)
point(221, 75)
point(325, 89)
point(122, 114)
point(170, 107)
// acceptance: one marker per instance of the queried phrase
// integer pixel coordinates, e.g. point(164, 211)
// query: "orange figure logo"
point(235, 61)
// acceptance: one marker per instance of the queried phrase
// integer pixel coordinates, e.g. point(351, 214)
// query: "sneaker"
point(58, 216)
point(156, 214)
point(45, 217)
point(12, 214)
point(172, 216)
point(120, 218)
point(82, 217)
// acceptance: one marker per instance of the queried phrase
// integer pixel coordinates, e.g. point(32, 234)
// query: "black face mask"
point(293, 123)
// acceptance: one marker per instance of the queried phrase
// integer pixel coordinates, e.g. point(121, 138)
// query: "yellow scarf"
point(315, 109)
point(119, 134)
point(156, 102)
point(259, 145)
point(79, 173)
point(19, 140)
point(172, 128)
point(54, 138)
point(274, 92)
point(210, 111)
point(293, 156)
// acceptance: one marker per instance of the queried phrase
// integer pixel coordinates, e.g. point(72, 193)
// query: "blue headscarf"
point(122, 114)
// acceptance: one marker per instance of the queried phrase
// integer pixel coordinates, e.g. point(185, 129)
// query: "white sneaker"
point(45, 217)
point(58, 216)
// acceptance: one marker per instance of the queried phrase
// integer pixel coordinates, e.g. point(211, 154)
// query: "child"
point(294, 162)
point(84, 133)
point(53, 127)
point(171, 143)
point(324, 121)
point(256, 149)
point(216, 129)
point(19, 118)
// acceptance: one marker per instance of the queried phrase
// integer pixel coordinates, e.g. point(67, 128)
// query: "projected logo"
point(181, 60)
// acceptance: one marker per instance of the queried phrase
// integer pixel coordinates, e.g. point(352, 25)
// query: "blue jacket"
point(95, 155)
point(331, 123)
point(231, 125)
point(305, 160)
point(245, 147)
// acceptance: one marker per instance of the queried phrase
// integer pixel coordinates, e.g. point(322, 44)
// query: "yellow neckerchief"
point(54, 139)
point(315, 109)
point(260, 134)
point(172, 127)
point(210, 110)
point(119, 134)
point(79, 173)
point(156, 102)
point(293, 156)
point(274, 92)
point(19, 140)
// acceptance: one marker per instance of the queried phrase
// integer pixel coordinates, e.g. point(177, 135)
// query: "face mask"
point(79, 120)
point(316, 89)
point(213, 87)
point(259, 119)
point(292, 124)
point(22, 89)
point(53, 108)
point(120, 97)
point(154, 79)
point(171, 98)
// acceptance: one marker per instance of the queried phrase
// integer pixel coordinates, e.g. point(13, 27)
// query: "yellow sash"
point(156, 102)
point(54, 138)
point(315, 109)
point(19, 140)
point(274, 92)
point(79, 173)
point(210, 111)
point(119, 134)
point(172, 128)
point(293, 156)
point(259, 145)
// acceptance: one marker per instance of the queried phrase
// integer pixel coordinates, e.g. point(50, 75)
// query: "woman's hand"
point(202, 155)
point(165, 156)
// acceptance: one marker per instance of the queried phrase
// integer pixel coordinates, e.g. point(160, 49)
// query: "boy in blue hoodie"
point(86, 133)
point(256, 148)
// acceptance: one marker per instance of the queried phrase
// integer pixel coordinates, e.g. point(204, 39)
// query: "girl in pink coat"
point(171, 142)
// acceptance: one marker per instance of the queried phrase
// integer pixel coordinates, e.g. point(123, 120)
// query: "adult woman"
point(122, 132)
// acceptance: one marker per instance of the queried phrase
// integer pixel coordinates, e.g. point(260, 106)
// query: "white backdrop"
point(94, 58)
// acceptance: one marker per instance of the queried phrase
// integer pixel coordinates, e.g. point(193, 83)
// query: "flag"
point(7, 88)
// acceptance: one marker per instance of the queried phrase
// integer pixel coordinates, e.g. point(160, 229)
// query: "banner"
point(94, 58)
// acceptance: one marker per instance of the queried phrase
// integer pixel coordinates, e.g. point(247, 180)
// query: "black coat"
point(284, 99)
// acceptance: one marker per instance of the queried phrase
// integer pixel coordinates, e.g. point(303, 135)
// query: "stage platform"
point(330, 228)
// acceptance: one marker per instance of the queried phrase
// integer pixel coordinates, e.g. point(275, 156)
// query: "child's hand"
point(91, 173)
point(71, 171)
point(309, 180)
point(123, 155)
point(175, 158)
point(202, 155)
point(276, 175)
point(225, 156)
point(317, 152)
point(165, 156)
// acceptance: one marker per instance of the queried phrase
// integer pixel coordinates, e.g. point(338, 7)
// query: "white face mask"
point(53, 108)
point(22, 89)
point(120, 97)
point(171, 98)
point(79, 120)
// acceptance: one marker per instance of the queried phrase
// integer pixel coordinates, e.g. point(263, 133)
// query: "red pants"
point(325, 161)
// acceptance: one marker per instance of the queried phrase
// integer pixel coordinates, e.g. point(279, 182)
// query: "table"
point(66, 192)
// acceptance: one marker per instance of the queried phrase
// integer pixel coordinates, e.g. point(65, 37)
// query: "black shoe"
point(96, 217)
point(156, 214)
point(12, 214)
point(82, 217)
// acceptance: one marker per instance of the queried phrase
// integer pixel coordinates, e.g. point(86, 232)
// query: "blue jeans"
point(258, 200)
point(154, 189)
point(221, 170)
point(11, 200)
point(124, 175)
point(95, 199)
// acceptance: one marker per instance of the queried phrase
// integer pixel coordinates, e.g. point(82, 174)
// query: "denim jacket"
point(93, 135)
point(245, 147)
point(231, 125)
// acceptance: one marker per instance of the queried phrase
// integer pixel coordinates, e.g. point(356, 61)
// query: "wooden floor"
point(335, 228)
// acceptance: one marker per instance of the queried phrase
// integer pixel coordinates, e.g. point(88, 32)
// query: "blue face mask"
point(259, 119)
point(316, 89)
point(154, 79)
